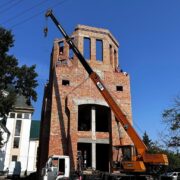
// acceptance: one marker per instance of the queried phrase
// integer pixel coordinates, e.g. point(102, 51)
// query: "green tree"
point(171, 117)
point(153, 147)
point(174, 160)
point(147, 141)
point(14, 80)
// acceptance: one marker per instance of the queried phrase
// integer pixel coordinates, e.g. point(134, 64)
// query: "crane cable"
point(23, 12)
point(10, 7)
point(37, 14)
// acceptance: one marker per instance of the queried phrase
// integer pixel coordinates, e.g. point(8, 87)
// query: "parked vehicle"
point(57, 167)
point(170, 176)
point(14, 169)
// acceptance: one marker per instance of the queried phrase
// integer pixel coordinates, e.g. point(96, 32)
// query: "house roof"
point(21, 104)
point(35, 129)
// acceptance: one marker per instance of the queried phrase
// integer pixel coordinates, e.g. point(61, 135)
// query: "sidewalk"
point(3, 177)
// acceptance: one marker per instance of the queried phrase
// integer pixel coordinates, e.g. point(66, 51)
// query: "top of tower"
point(97, 30)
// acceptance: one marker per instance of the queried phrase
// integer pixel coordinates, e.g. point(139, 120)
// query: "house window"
point(87, 48)
point(19, 115)
point(119, 88)
point(26, 115)
point(65, 82)
point(99, 50)
point(12, 115)
point(18, 128)
point(17, 134)
point(14, 158)
point(16, 142)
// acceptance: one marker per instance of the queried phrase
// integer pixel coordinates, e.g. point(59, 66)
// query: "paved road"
point(5, 177)
point(2, 177)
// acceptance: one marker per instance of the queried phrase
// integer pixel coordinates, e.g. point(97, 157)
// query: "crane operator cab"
point(123, 153)
point(126, 159)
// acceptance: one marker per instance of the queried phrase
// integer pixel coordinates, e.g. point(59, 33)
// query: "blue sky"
point(148, 32)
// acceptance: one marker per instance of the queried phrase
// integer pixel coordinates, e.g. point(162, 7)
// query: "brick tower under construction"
point(75, 116)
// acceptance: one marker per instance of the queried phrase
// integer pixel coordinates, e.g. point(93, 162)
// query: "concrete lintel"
point(89, 101)
point(97, 141)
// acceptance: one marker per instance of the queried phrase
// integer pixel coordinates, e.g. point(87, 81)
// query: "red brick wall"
point(62, 111)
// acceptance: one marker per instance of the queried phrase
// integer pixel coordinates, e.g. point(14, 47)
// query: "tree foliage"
point(14, 80)
point(155, 147)
point(147, 141)
point(171, 117)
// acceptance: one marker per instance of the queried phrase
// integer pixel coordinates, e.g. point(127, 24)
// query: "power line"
point(12, 5)
point(23, 12)
point(37, 14)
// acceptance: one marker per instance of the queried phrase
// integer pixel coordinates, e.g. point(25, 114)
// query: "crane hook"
point(46, 26)
point(45, 31)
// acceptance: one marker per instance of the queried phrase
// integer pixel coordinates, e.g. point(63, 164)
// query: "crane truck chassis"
point(140, 161)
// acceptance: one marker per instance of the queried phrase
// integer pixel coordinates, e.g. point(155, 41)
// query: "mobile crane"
point(140, 161)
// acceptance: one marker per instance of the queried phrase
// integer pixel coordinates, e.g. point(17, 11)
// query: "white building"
point(33, 146)
point(19, 147)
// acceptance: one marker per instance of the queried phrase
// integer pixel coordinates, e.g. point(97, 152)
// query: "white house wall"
point(10, 124)
point(24, 143)
point(32, 157)
point(8, 151)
